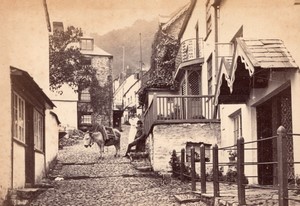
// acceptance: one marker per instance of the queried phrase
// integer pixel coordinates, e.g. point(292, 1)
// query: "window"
point(209, 75)
point(237, 125)
point(86, 44)
point(18, 118)
point(208, 17)
point(85, 96)
point(86, 119)
point(38, 130)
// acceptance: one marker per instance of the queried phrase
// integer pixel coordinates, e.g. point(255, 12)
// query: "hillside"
point(129, 37)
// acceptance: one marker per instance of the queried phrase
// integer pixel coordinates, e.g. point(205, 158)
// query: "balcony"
point(189, 53)
point(172, 109)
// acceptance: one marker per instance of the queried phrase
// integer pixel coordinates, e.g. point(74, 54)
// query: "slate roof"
point(96, 51)
point(175, 16)
point(267, 53)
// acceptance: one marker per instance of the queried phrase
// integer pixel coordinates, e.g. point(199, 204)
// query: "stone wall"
point(166, 138)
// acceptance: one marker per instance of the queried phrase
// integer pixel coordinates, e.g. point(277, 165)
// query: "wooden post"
point(203, 169)
point(193, 171)
point(241, 171)
point(282, 167)
point(216, 171)
point(154, 107)
point(182, 164)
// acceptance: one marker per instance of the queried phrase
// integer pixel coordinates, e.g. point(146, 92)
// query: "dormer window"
point(86, 44)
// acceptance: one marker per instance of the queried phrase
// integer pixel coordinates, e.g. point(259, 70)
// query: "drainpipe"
point(216, 8)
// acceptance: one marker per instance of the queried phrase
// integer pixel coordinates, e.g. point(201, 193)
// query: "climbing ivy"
point(160, 75)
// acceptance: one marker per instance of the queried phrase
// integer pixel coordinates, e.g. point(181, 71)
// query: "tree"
point(66, 62)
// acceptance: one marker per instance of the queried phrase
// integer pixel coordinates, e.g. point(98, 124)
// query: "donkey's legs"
point(101, 148)
point(117, 146)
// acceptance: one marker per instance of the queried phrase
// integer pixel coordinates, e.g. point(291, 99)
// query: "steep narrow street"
point(79, 178)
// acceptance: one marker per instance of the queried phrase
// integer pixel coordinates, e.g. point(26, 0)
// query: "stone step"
point(21, 197)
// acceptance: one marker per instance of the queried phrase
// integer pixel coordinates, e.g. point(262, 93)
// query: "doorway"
point(29, 149)
point(270, 115)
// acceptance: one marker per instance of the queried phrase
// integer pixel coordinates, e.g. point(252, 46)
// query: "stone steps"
point(23, 197)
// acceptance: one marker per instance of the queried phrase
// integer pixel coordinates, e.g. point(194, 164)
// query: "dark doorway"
point(270, 115)
point(29, 149)
point(117, 115)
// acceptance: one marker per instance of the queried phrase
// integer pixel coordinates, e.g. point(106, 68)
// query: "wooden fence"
point(282, 167)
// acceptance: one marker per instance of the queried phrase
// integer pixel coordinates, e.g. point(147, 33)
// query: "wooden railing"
point(168, 109)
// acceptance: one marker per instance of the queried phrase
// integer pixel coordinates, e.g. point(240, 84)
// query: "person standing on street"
point(132, 131)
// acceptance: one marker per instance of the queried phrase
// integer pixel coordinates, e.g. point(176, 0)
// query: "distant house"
point(29, 130)
point(75, 107)
point(126, 97)
point(102, 62)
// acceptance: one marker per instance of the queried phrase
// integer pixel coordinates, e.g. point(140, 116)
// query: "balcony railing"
point(165, 109)
point(190, 49)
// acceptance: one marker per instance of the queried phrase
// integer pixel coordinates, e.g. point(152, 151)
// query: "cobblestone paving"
point(112, 181)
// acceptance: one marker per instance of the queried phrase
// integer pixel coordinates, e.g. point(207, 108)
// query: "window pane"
point(86, 119)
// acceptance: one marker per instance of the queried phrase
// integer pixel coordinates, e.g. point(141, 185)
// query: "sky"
point(102, 16)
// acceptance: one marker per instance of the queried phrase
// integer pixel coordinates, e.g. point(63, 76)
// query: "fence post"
point(241, 171)
point(182, 164)
point(154, 107)
point(216, 171)
point(193, 171)
point(282, 167)
point(203, 168)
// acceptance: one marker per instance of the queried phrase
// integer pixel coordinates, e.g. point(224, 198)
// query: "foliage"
point(232, 155)
point(101, 97)
point(209, 174)
point(176, 167)
point(164, 51)
point(66, 62)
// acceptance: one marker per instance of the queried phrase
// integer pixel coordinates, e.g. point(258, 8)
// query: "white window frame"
point(38, 130)
point(18, 118)
point(85, 96)
point(237, 125)
point(86, 119)
point(86, 44)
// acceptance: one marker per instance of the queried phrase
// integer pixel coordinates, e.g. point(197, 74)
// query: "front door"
point(270, 115)
point(29, 150)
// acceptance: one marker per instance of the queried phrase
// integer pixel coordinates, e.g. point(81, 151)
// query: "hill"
point(129, 38)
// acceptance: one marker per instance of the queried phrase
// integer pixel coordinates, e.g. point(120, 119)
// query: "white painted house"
point(255, 58)
point(29, 130)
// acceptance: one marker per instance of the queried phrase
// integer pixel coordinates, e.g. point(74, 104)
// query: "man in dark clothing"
point(139, 140)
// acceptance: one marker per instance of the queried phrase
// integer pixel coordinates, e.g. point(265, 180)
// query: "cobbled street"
point(79, 178)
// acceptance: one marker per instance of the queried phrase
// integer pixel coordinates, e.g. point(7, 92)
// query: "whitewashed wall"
point(26, 47)
point(166, 138)
point(262, 21)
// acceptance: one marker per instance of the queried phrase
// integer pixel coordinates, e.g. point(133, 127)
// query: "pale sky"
point(102, 16)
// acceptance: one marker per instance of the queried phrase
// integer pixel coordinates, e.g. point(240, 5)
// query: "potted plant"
point(232, 155)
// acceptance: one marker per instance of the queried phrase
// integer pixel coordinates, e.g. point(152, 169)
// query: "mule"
point(98, 138)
